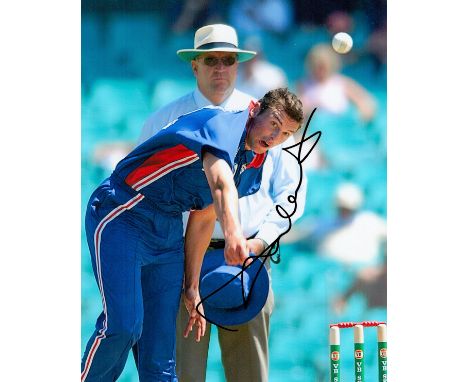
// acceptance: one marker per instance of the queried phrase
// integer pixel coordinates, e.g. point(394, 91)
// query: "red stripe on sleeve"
point(157, 162)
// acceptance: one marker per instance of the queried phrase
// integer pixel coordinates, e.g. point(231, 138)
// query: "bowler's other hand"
point(191, 300)
point(235, 249)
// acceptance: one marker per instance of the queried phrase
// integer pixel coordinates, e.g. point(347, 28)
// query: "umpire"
point(214, 60)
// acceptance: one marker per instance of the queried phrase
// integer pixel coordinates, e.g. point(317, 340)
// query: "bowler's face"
point(216, 74)
point(269, 129)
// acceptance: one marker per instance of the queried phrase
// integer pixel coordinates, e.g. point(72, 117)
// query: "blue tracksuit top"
point(167, 168)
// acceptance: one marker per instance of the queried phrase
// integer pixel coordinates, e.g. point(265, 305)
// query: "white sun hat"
point(215, 38)
point(349, 195)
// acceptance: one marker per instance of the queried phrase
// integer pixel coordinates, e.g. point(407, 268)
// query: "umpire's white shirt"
point(257, 212)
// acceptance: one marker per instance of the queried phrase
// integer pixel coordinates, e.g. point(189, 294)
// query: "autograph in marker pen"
point(273, 248)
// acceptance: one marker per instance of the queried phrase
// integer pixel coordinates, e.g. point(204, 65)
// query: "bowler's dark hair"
point(283, 99)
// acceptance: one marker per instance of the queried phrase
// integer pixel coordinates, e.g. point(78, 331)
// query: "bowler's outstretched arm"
point(226, 205)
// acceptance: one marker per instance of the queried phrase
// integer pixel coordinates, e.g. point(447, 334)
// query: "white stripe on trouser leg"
point(97, 241)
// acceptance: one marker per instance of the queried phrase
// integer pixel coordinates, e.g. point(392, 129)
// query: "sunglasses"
point(213, 61)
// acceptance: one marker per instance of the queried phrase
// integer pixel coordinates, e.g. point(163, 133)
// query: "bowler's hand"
point(191, 300)
point(235, 249)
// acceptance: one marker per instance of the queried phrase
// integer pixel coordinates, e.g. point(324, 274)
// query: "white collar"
point(202, 101)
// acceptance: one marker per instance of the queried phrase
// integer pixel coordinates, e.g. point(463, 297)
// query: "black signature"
point(273, 248)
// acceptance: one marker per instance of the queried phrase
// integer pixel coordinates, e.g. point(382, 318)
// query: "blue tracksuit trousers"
point(137, 259)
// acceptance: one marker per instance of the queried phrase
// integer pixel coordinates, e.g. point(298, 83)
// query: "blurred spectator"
point(353, 237)
point(195, 13)
point(371, 282)
point(257, 16)
point(315, 12)
point(258, 75)
point(107, 154)
point(339, 21)
point(326, 88)
point(377, 47)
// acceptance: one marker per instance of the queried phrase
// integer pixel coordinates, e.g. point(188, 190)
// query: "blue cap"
point(241, 295)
